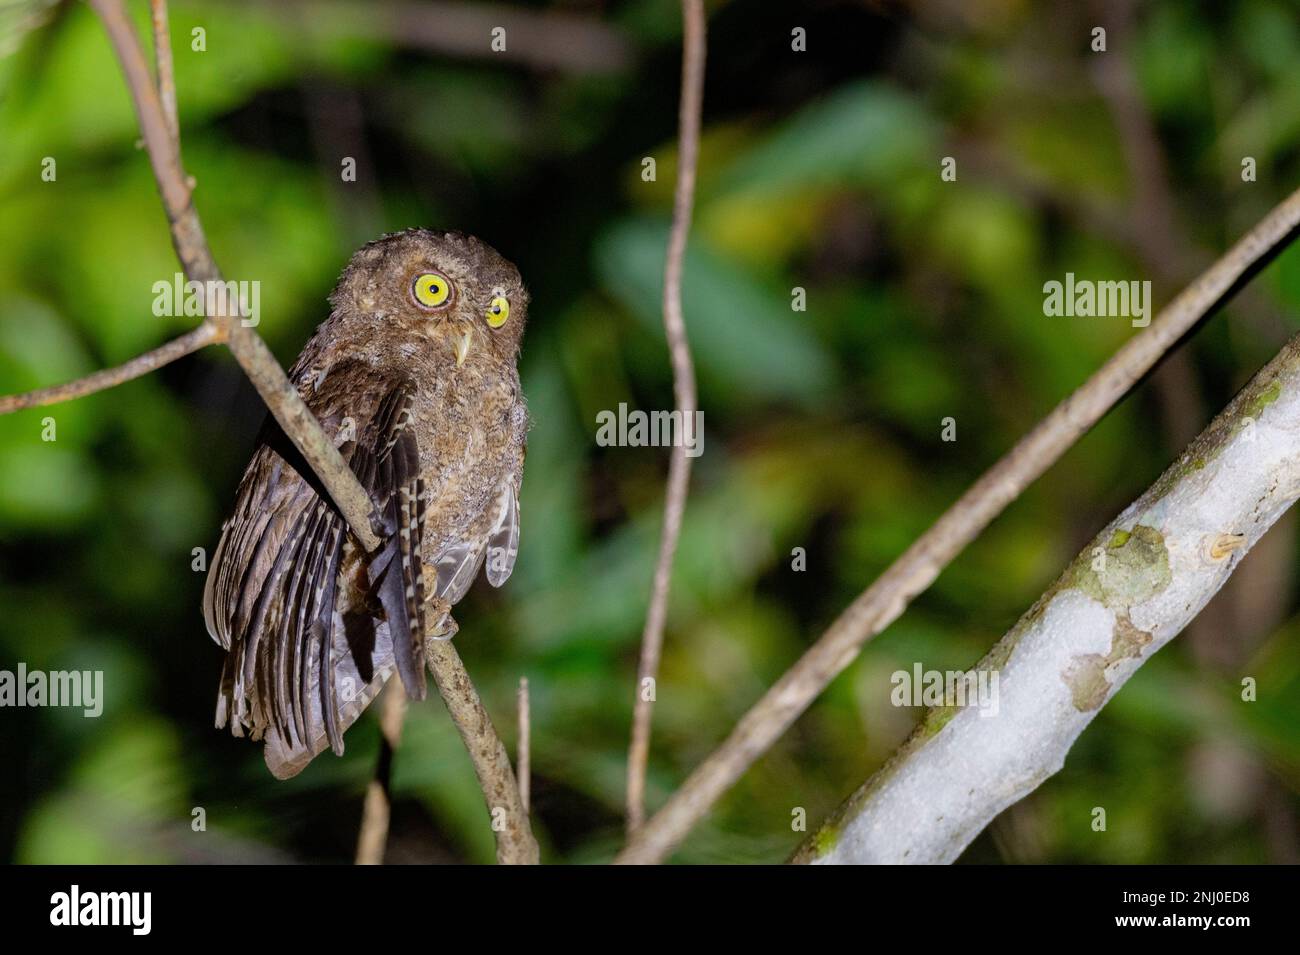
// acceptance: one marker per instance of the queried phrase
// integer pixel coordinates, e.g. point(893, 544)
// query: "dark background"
point(822, 428)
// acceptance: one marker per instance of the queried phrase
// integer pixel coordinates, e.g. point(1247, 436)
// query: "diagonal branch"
point(882, 603)
point(1129, 592)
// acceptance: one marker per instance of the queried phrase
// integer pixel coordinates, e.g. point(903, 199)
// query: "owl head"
point(446, 288)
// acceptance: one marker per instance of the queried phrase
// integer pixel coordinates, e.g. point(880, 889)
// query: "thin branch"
point(192, 248)
point(162, 53)
point(524, 749)
point(679, 468)
point(1130, 591)
point(509, 818)
point(206, 334)
point(377, 810)
point(920, 564)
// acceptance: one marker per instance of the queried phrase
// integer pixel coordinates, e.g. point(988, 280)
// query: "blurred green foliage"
point(819, 170)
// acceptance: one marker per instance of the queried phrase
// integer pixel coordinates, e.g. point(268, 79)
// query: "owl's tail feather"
point(396, 573)
point(286, 756)
point(323, 627)
point(292, 598)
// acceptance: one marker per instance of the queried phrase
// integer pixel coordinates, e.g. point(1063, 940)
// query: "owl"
point(414, 377)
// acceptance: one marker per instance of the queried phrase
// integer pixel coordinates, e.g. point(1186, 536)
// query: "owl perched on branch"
point(414, 377)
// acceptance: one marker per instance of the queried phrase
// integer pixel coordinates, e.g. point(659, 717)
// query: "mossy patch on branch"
point(1133, 567)
point(1255, 407)
point(1086, 674)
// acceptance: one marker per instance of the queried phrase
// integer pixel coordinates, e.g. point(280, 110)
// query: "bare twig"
point(206, 334)
point(524, 757)
point(515, 842)
point(882, 602)
point(679, 468)
point(377, 810)
point(162, 54)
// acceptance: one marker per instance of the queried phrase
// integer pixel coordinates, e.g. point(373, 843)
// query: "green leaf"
point(864, 133)
point(743, 335)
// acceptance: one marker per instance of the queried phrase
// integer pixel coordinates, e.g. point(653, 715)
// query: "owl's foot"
point(444, 625)
point(445, 629)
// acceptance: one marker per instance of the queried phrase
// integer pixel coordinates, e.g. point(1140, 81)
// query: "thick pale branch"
point(515, 842)
point(921, 563)
point(1129, 592)
point(679, 468)
point(206, 334)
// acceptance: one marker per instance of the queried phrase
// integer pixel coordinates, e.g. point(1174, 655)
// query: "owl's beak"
point(462, 347)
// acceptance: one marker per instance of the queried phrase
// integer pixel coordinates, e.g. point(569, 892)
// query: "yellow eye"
point(431, 289)
point(498, 311)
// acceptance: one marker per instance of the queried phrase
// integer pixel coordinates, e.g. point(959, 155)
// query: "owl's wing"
point(288, 589)
point(396, 572)
point(503, 541)
point(493, 540)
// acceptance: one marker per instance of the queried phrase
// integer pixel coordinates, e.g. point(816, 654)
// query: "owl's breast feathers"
point(313, 627)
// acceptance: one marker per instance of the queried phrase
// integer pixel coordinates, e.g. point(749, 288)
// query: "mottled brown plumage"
point(423, 401)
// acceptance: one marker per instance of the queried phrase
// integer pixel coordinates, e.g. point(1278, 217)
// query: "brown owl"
point(414, 376)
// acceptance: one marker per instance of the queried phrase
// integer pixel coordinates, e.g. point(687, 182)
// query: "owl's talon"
point(444, 626)
point(444, 629)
